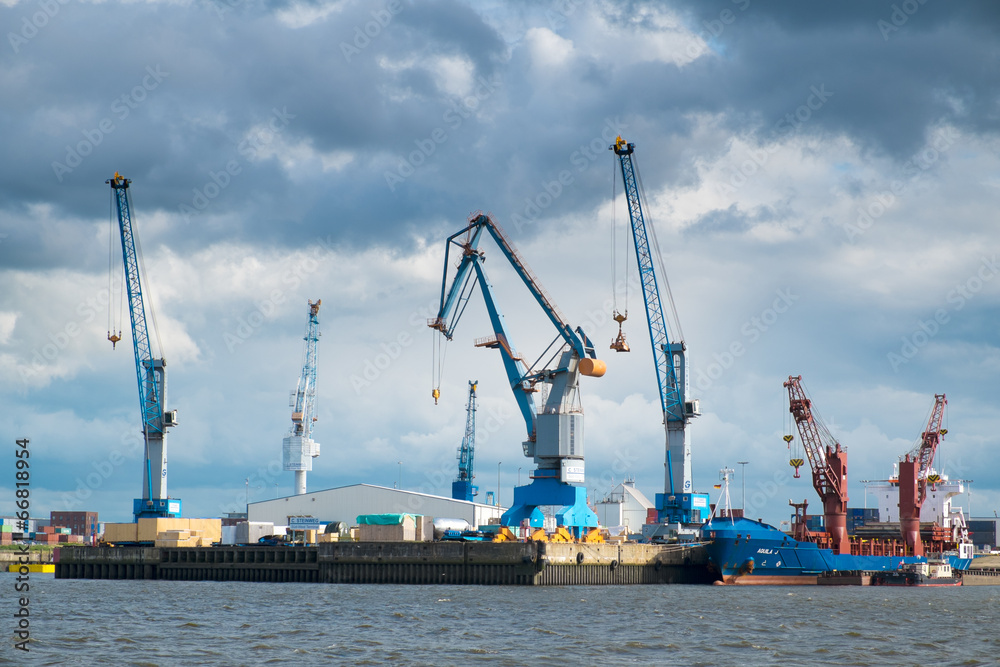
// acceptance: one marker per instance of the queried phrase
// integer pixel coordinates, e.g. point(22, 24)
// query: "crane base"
point(144, 508)
point(573, 512)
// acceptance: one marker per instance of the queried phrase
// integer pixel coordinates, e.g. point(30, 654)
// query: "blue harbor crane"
point(555, 433)
point(298, 448)
point(677, 505)
point(462, 488)
point(151, 373)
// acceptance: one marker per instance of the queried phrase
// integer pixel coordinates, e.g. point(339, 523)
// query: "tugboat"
point(933, 573)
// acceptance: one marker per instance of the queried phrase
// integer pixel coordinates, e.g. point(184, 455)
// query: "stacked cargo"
point(188, 532)
point(7, 531)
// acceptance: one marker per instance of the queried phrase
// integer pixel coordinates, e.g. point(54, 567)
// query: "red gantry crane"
point(827, 460)
point(914, 470)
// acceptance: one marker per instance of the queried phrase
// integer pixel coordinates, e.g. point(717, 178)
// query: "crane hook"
point(436, 393)
point(114, 338)
point(619, 344)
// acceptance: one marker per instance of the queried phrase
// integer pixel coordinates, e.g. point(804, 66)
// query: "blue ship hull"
point(761, 553)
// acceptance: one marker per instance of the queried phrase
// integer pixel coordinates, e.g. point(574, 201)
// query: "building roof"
point(382, 488)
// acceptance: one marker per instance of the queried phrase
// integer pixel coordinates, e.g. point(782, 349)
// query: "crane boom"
point(913, 472)
point(151, 374)
point(298, 448)
point(555, 434)
point(462, 488)
point(827, 460)
point(669, 357)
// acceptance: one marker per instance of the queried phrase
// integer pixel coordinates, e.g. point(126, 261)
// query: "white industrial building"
point(345, 503)
point(625, 506)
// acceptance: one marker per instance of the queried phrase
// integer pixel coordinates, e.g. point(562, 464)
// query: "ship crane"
point(151, 372)
point(462, 488)
point(298, 448)
point(555, 433)
point(915, 474)
point(827, 460)
point(677, 504)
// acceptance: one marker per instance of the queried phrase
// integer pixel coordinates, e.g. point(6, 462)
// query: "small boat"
point(931, 573)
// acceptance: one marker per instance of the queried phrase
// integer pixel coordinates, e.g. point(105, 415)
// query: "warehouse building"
point(345, 503)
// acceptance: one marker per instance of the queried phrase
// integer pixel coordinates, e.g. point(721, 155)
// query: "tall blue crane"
point(298, 448)
point(677, 504)
point(462, 488)
point(555, 433)
point(151, 373)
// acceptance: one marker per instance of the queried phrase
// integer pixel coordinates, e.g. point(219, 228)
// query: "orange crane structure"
point(827, 460)
point(914, 475)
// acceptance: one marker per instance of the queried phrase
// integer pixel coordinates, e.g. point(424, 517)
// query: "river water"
point(235, 623)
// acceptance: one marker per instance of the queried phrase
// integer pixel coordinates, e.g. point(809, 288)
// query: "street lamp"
point(399, 482)
point(743, 475)
point(498, 483)
point(519, 477)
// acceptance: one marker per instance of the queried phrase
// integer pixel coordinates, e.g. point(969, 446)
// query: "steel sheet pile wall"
point(510, 563)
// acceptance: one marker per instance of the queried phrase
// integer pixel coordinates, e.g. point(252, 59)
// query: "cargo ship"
point(744, 551)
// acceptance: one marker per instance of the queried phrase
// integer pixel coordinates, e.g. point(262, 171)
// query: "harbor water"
point(235, 623)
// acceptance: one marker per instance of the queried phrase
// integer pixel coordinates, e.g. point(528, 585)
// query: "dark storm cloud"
point(171, 95)
point(894, 69)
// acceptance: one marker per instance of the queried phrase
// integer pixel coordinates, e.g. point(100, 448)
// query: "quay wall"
point(482, 563)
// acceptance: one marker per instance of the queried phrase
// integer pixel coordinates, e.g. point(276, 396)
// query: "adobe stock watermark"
point(248, 148)
point(30, 25)
point(580, 159)
point(900, 15)
point(713, 28)
point(924, 159)
point(787, 125)
point(751, 331)
point(121, 107)
point(393, 349)
point(927, 329)
point(453, 118)
point(438, 478)
point(264, 309)
point(363, 35)
point(762, 492)
point(49, 351)
point(130, 448)
point(264, 477)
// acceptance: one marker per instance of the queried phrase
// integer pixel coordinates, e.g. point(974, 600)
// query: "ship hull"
point(751, 552)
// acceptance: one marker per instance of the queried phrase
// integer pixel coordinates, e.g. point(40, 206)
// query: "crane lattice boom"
point(827, 460)
point(462, 488)
point(298, 447)
point(151, 373)
point(924, 453)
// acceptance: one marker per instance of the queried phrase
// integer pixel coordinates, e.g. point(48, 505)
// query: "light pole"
point(399, 481)
point(498, 483)
point(743, 474)
point(519, 477)
point(248, 497)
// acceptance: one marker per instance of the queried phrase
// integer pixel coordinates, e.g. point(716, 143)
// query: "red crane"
point(913, 476)
point(827, 460)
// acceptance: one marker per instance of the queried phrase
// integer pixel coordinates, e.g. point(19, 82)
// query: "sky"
point(822, 179)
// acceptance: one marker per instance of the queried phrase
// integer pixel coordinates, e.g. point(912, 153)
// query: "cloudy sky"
point(823, 180)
